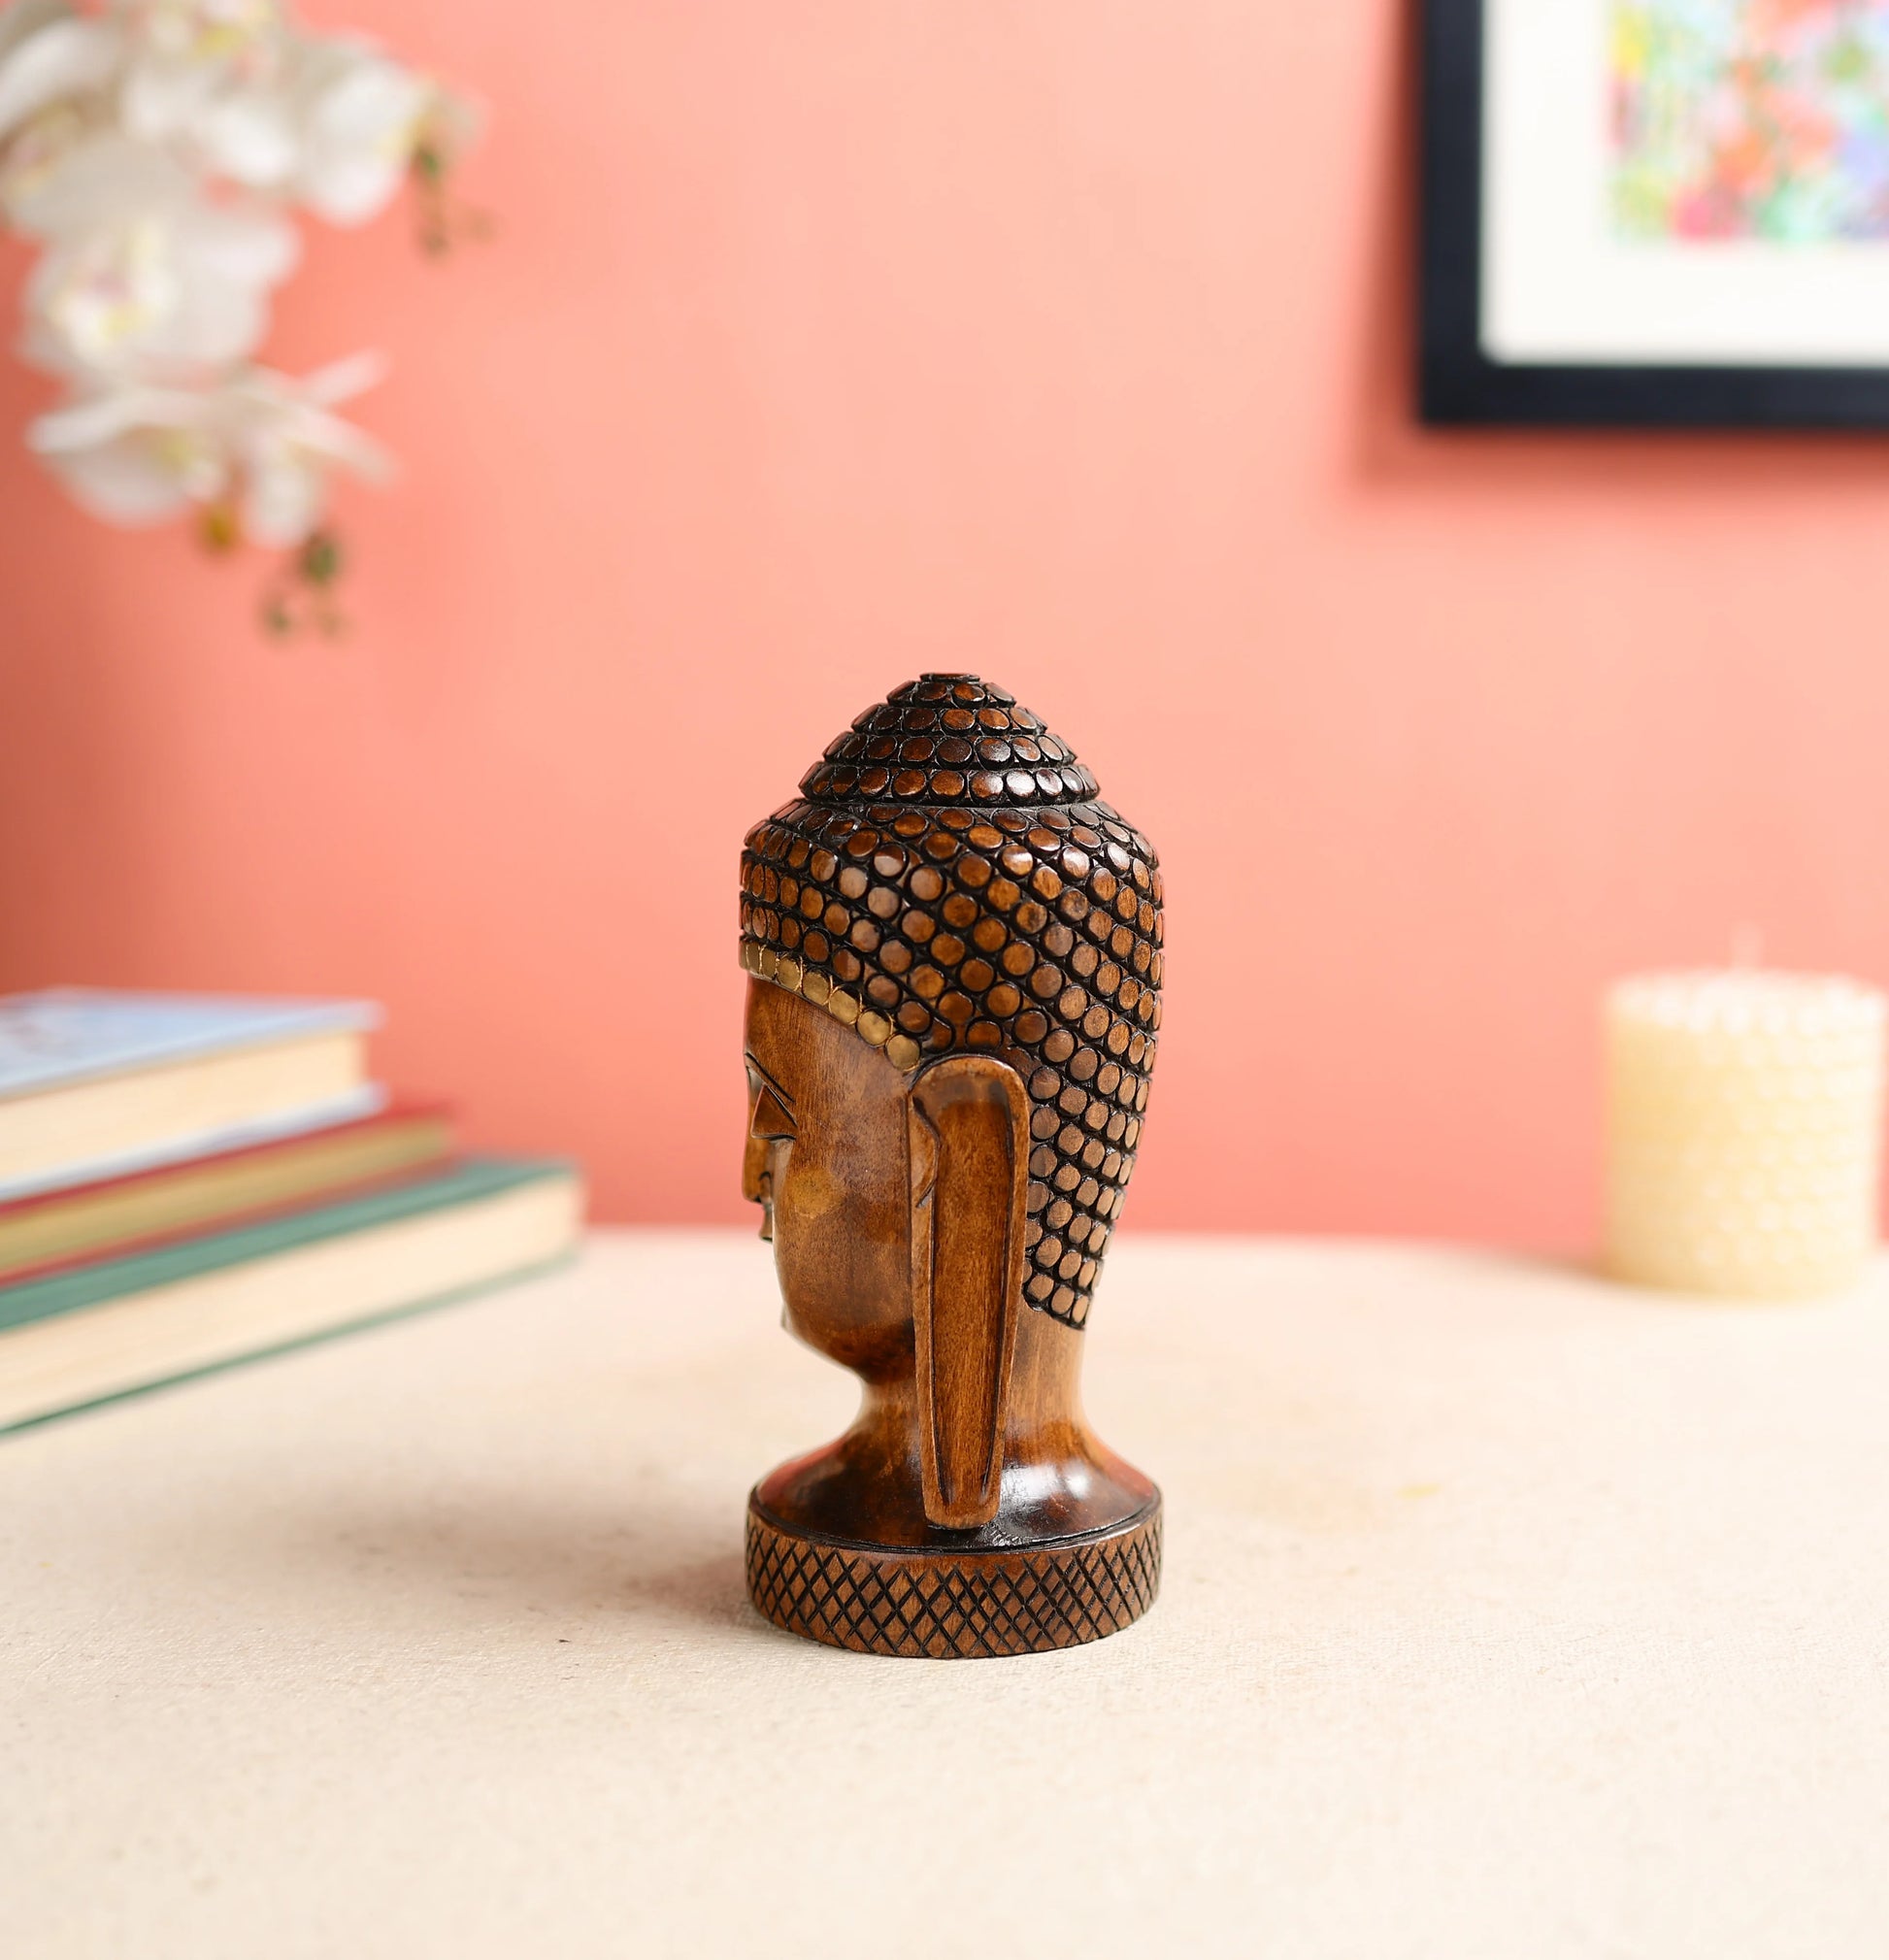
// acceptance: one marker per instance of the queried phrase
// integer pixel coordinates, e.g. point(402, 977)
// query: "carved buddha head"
point(954, 950)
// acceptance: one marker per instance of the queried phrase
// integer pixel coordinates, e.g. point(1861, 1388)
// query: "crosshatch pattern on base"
point(954, 1605)
point(950, 880)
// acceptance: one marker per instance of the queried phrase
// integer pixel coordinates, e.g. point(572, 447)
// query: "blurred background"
point(1066, 342)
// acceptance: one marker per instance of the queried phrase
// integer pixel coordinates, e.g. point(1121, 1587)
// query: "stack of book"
point(190, 1181)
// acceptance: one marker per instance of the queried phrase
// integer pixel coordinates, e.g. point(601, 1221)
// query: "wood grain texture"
point(969, 1138)
point(951, 1029)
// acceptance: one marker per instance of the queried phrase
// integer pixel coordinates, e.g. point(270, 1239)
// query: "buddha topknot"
point(949, 878)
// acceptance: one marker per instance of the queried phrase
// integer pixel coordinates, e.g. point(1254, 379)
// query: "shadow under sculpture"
point(954, 950)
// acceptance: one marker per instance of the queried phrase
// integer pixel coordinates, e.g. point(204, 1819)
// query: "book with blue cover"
point(97, 1083)
point(63, 1035)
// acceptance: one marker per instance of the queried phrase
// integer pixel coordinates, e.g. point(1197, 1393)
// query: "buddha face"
point(896, 1205)
point(826, 1162)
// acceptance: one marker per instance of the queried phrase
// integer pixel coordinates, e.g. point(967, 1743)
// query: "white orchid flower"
point(230, 88)
point(135, 455)
point(183, 55)
point(263, 442)
point(153, 147)
point(287, 442)
point(358, 116)
point(143, 275)
point(330, 124)
point(209, 78)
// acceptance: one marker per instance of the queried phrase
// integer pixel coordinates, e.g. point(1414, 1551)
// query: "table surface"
point(1506, 1614)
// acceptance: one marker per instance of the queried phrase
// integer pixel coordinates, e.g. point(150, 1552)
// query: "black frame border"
point(1459, 384)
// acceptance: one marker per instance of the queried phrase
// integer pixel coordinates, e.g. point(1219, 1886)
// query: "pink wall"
point(1065, 342)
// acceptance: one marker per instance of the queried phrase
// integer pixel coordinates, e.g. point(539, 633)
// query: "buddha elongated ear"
point(969, 1125)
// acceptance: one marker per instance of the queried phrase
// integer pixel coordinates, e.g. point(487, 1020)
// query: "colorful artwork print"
point(1764, 119)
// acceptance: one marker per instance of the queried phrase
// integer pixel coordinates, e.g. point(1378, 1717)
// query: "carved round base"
point(925, 1603)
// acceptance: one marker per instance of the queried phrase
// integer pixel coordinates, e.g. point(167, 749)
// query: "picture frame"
point(1515, 257)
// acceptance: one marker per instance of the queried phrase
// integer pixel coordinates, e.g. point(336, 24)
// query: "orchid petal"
point(62, 59)
point(214, 321)
point(247, 247)
point(25, 18)
point(342, 380)
point(358, 140)
point(128, 482)
point(102, 181)
point(340, 442)
point(249, 139)
point(98, 419)
point(284, 496)
point(162, 97)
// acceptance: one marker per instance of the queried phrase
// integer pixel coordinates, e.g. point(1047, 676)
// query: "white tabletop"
point(1506, 1614)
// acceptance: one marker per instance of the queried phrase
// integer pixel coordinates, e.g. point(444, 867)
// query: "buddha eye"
point(771, 1122)
point(771, 1119)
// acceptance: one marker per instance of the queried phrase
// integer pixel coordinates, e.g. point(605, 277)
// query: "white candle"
point(1745, 1126)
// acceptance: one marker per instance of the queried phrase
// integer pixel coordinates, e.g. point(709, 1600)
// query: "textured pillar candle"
point(1745, 1123)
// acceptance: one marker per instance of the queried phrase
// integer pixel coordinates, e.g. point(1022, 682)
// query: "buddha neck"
point(1058, 1479)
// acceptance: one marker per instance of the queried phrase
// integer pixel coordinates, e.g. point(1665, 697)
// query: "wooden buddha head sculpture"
point(954, 952)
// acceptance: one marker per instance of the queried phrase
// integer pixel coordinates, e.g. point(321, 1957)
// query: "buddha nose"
point(757, 1180)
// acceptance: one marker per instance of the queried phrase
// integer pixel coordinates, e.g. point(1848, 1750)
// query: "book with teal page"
point(84, 1335)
